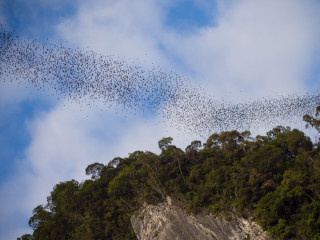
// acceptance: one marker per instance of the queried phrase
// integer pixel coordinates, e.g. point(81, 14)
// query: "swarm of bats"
point(86, 77)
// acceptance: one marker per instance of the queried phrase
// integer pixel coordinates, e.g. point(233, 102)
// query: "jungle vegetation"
point(274, 179)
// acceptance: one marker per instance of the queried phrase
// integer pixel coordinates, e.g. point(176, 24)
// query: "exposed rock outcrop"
point(167, 221)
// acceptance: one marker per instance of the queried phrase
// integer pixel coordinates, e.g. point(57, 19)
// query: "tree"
point(94, 170)
point(26, 237)
point(41, 223)
point(164, 143)
point(275, 178)
point(313, 121)
point(194, 146)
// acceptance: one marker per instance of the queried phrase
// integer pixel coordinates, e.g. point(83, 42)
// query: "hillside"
point(272, 179)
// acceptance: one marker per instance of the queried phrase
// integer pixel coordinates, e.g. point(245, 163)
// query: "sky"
point(234, 50)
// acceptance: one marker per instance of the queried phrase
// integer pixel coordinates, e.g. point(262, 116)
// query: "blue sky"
point(236, 49)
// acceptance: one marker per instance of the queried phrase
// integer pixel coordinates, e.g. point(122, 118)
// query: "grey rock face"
point(167, 221)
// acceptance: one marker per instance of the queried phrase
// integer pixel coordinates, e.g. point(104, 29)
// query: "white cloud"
point(67, 139)
point(130, 29)
point(260, 47)
point(257, 48)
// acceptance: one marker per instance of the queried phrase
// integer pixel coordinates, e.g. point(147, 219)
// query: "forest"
point(274, 179)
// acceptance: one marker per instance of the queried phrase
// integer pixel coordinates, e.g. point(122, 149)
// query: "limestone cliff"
point(167, 221)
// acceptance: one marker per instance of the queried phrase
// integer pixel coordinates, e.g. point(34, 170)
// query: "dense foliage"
point(274, 178)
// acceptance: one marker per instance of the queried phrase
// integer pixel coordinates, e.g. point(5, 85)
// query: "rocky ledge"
point(167, 221)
